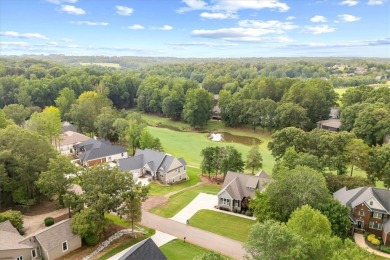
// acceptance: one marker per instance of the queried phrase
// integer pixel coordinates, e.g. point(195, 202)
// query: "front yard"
point(230, 226)
point(179, 200)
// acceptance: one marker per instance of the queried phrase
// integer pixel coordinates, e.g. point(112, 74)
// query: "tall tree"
point(254, 160)
point(64, 102)
point(104, 123)
point(379, 164)
point(18, 113)
point(291, 114)
point(197, 107)
point(47, 123)
point(338, 216)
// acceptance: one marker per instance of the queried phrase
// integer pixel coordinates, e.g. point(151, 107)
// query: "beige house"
point(160, 166)
point(50, 243)
point(68, 140)
point(238, 188)
point(332, 125)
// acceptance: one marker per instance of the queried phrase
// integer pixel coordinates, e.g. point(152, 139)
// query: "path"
point(359, 240)
point(226, 246)
point(202, 201)
point(34, 223)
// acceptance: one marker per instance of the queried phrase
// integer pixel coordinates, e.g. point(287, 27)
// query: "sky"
point(196, 28)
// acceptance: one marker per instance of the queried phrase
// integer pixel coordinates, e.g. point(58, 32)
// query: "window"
point(33, 253)
point(122, 154)
point(361, 213)
point(371, 203)
point(377, 215)
point(19, 258)
point(65, 246)
point(376, 225)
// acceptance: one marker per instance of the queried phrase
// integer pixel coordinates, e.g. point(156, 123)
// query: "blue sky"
point(196, 28)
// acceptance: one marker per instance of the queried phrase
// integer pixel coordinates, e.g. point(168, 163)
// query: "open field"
point(103, 64)
point(178, 250)
point(233, 227)
point(158, 189)
point(178, 201)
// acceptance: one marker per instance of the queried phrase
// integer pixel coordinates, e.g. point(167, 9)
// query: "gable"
point(224, 194)
point(174, 164)
point(373, 203)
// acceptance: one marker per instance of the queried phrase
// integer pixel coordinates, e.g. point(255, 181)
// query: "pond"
point(231, 138)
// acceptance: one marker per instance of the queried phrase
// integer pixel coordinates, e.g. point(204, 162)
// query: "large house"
point(238, 188)
point(92, 152)
point(68, 140)
point(370, 209)
point(160, 166)
point(50, 243)
point(146, 249)
point(332, 124)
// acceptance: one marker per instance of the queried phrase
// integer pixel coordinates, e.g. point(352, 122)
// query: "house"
point(146, 249)
point(332, 125)
point(370, 210)
point(160, 166)
point(50, 243)
point(68, 140)
point(66, 126)
point(238, 188)
point(92, 152)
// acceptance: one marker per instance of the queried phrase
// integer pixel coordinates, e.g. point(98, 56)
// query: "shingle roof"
point(66, 126)
point(8, 227)
point(335, 123)
point(131, 163)
point(56, 234)
point(10, 237)
point(182, 161)
point(103, 150)
point(145, 249)
point(70, 137)
point(151, 156)
point(240, 185)
point(356, 196)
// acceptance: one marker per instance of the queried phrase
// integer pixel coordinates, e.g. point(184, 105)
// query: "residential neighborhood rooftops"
point(66, 126)
point(10, 238)
point(145, 249)
point(101, 151)
point(70, 137)
point(330, 123)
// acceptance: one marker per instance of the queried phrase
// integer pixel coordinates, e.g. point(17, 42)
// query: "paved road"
point(226, 246)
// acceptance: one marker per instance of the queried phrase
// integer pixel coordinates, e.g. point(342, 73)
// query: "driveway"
point(202, 201)
point(226, 246)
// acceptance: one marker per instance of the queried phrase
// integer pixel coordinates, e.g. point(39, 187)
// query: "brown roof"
point(240, 185)
point(56, 234)
point(335, 123)
point(70, 137)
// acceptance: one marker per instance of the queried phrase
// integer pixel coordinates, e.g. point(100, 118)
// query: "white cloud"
point(136, 27)
point(289, 18)
point(165, 28)
point(67, 40)
point(349, 18)
point(58, 2)
point(346, 44)
point(18, 44)
point(349, 2)
point(70, 9)
point(376, 2)
point(205, 44)
point(318, 29)
point(90, 23)
point(24, 35)
point(271, 26)
point(124, 10)
point(221, 16)
point(233, 6)
point(318, 19)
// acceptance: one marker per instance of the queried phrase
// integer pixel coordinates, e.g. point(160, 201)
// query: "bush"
point(366, 234)
point(249, 213)
point(385, 249)
point(370, 237)
point(15, 217)
point(375, 241)
point(49, 221)
point(91, 240)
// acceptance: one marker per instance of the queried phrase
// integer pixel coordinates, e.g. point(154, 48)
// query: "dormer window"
point(371, 203)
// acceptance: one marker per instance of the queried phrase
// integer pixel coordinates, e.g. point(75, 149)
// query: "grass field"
point(178, 201)
point(190, 144)
point(233, 227)
point(157, 189)
point(178, 250)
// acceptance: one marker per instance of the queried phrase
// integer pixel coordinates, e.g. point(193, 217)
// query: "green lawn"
point(178, 250)
point(190, 144)
point(158, 189)
point(178, 201)
point(226, 225)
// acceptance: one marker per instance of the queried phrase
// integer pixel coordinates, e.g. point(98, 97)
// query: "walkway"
point(202, 201)
point(226, 246)
point(359, 240)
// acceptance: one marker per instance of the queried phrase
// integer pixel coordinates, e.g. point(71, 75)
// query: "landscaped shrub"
point(91, 240)
point(49, 221)
point(375, 241)
point(249, 213)
point(366, 234)
point(385, 249)
point(370, 237)
point(15, 217)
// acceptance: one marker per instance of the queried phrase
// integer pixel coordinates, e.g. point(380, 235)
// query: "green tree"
point(378, 167)
point(197, 107)
point(53, 183)
point(18, 113)
point(254, 160)
point(291, 114)
point(104, 123)
point(338, 216)
point(273, 240)
point(64, 102)
point(261, 207)
point(291, 159)
point(131, 208)
point(336, 182)
point(285, 138)
point(4, 122)
point(47, 123)
point(119, 127)
point(87, 223)
point(231, 160)
point(357, 153)
point(146, 140)
point(210, 255)
point(133, 132)
point(207, 164)
point(15, 217)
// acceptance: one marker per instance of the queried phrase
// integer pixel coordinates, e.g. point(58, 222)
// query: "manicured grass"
point(117, 220)
point(230, 226)
point(178, 201)
point(190, 144)
point(178, 250)
point(157, 189)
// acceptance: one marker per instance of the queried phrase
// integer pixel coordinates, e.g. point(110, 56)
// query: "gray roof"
point(151, 156)
point(10, 237)
point(131, 163)
point(334, 123)
point(354, 197)
point(240, 185)
point(182, 161)
point(145, 249)
point(55, 235)
point(8, 227)
point(103, 150)
point(66, 126)
point(87, 145)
